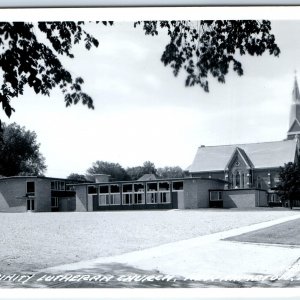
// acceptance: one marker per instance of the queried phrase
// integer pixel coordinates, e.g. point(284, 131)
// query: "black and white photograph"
point(150, 152)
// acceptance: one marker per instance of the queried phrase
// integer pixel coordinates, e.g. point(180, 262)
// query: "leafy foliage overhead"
point(208, 47)
point(19, 152)
point(201, 48)
point(24, 60)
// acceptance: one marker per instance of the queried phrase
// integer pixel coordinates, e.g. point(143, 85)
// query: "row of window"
point(55, 186)
point(130, 198)
point(135, 187)
point(244, 180)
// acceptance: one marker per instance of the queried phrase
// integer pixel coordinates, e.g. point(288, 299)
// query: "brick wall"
point(242, 198)
point(42, 194)
point(262, 198)
point(11, 192)
point(67, 204)
point(196, 192)
point(81, 198)
point(239, 198)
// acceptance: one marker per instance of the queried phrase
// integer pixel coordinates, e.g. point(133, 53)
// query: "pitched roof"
point(295, 127)
point(147, 177)
point(261, 155)
point(242, 154)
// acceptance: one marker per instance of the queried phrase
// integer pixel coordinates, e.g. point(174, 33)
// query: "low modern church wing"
point(239, 175)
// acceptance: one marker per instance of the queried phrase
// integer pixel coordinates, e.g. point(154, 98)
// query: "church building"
point(229, 176)
point(250, 170)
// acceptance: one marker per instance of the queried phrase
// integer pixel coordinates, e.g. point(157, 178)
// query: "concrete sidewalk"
point(207, 257)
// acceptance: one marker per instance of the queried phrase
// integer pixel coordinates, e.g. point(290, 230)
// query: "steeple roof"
point(296, 94)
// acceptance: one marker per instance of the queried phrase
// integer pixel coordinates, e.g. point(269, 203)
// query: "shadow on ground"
point(115, 275)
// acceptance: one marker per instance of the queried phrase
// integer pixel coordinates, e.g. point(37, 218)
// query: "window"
point(164, 192)
point(152, 192)
point(139, 193)
point(127, 194)
point(54, 202)
point(164, 197)
point(237, 180)
point(152, 198)
point(92, 189)
point(216, 195)
point(127, 198)
point(58, 185)
point(258, 182)
point(115, 197)
point(138, 198)
point(30, 189)
point(177, 185)
point(104, 189)
point(30, 203)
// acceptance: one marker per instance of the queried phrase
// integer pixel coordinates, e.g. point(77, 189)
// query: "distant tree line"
point(20, 155)
point(118, 173)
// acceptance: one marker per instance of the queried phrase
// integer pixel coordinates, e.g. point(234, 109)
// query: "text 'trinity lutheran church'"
point(250, 166)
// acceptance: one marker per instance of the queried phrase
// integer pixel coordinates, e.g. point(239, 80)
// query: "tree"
point(149, 168)
point(208, 47)
point(288, 188)
point(20, 152)
point(77, 177)
point(25, 61)
point(135, 173)
point(170, 172)
point(201, 48)
point(115, 170)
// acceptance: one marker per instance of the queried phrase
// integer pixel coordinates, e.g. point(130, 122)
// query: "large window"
point(104, 195)
point(164, 192)
point(152, 195)
point(139, 193)
point(115, 197)
point(127, 194)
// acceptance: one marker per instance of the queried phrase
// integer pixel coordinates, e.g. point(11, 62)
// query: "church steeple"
point(294, 126)
point(296, 94)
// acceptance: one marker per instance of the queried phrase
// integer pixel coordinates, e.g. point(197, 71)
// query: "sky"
point(142, 112)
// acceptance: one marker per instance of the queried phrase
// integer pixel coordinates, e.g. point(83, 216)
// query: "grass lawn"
point(31, 241)
point(287, 233)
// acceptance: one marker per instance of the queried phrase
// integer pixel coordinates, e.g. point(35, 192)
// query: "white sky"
point(144, 113)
